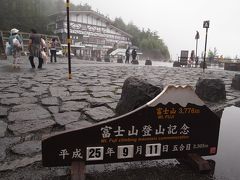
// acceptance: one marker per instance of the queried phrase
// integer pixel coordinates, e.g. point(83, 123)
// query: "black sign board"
point(206, 24)
point(184, 57)
point(197, 35)
point(166, 127)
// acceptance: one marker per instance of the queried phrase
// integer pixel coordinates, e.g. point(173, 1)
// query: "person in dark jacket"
point(134, 54)
point(127, 54)
point(35, 47)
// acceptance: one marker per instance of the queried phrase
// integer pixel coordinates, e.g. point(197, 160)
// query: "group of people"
point(37, 47)
point(127, 54)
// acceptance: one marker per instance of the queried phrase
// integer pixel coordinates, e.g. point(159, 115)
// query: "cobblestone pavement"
point(37, 103)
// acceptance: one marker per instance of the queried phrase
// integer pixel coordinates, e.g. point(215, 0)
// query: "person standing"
point(191, 59)
point(53, 50)
point(15, 42)
point(35, 48)
point(134, 54)
point(127, 53)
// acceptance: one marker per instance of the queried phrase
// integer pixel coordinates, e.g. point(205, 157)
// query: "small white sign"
point(153, 150)
point(94, 153)
point(125, 152)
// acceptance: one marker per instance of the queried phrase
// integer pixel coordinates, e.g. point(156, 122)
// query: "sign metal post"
point(78, 169)
point(205, 25)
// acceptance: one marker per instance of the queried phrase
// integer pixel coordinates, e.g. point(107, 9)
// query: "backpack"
point(53, 45)
point(16, 42)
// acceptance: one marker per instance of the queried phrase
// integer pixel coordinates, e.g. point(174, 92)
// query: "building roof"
point(93, 13)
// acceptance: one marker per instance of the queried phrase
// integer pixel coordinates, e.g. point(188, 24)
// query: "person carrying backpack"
point(15, 42)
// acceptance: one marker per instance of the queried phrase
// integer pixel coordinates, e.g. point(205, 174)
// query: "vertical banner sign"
point(205, 25)
point(68, 41)
point(172, 125)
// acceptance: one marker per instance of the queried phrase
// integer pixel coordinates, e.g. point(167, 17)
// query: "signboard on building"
point(184, 57)
point(172, 125)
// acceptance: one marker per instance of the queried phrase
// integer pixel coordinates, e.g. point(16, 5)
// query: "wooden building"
point(92, 34)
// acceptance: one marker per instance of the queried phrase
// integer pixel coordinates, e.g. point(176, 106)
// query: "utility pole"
point(68, 41)
point(205, 25)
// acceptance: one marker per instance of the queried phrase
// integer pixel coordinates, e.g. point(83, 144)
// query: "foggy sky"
point(176, 21)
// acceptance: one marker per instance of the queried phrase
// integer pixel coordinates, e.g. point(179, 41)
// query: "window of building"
point(84, 27)
point(59, 24)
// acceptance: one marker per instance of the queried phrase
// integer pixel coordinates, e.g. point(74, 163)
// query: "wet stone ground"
point(37, 103)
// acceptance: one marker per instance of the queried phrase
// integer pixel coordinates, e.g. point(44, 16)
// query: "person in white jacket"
point(15, 42)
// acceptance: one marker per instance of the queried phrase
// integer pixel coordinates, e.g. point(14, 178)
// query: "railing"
point(25, 36)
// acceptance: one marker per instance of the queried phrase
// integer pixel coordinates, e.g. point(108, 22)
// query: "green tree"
point(27, 14)
point(118, 22)
point(212, 54)
point(149, 42)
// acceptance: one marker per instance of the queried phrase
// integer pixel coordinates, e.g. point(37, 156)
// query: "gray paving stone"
point(23, 107)
point(105, 82)
point(116, 97)
point(58, 91)
point(22, 127)
point(27, 148)
point(102, 94)
point(73, 82)
point(119, 91)
point(50, 101)
point(78, 125)
point(3, 128)
point(100, 101)
point(73, 106)
point(27, 76)
point(80, 94)
point(26, 85)
point(75, 97)
point(20, 100)
point(40, 90)
point(100, 88)
point(78, 88)
point(29, 94)
point(2, 152)
point(113, 105)
point(28, 112)
point(66, 117)
point(9, 95)
point(53, 109)
point(14, 89)
point(5, 143)
point(6, 84)
point(29, 137)
point(99, 113)
point(12, 165)
point(3, 111)
point(89, 81)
